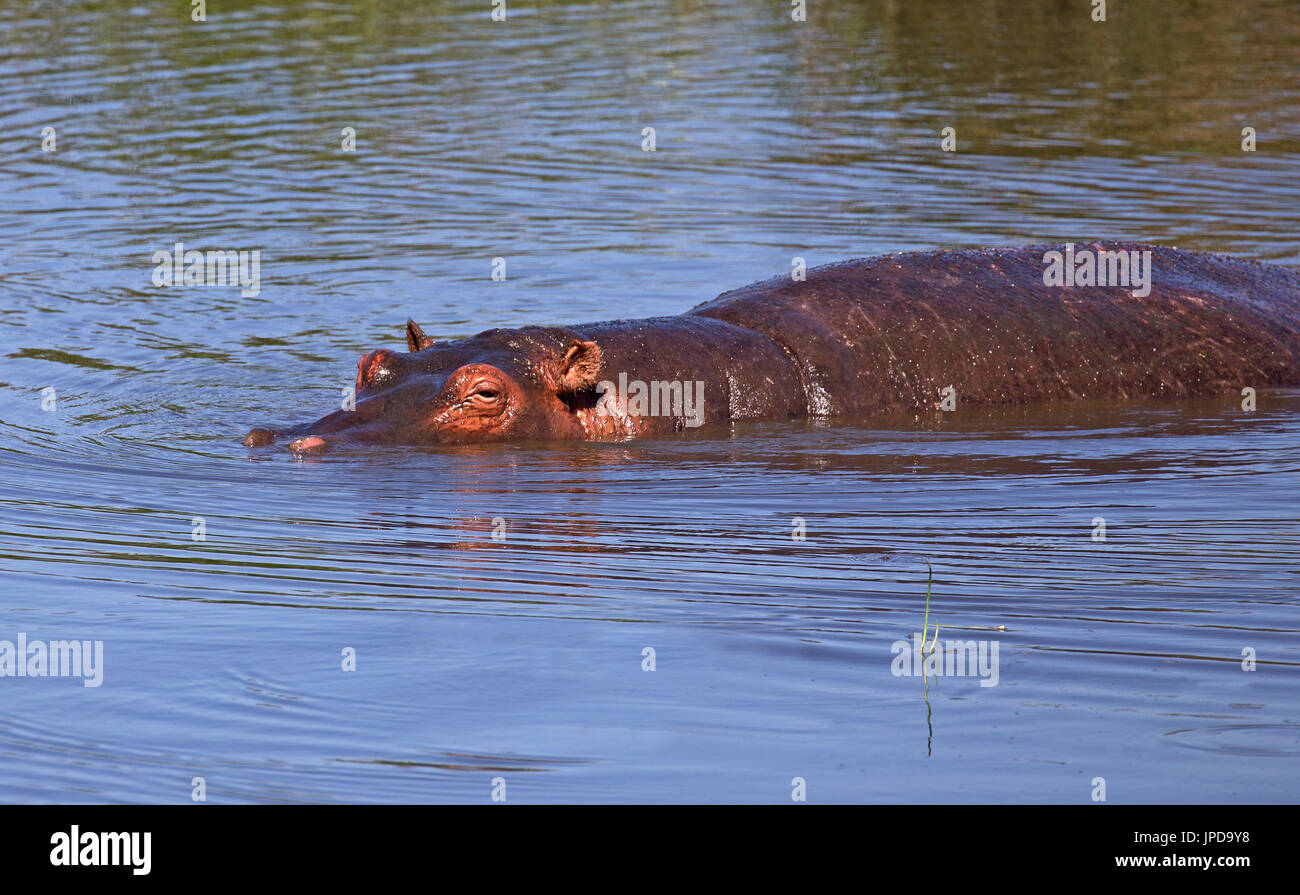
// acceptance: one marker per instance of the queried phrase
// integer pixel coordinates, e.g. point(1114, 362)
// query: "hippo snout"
point(305, 444)
point(308, 444)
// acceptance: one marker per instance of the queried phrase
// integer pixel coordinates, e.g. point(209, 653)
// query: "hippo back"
point(886, 334)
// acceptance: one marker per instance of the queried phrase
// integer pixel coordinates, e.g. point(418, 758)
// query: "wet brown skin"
point(878, 335)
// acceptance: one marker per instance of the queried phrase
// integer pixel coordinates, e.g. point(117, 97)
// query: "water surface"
point(522, 656)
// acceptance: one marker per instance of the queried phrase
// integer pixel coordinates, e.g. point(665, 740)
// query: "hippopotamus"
point(886, 335)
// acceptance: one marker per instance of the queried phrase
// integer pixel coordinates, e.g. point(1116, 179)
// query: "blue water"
point(523, 657)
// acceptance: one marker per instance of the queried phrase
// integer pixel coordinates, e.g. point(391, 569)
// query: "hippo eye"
point(484, 391)
point(478, 388)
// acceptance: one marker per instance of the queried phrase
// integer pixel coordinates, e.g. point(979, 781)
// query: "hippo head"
point(499, 385)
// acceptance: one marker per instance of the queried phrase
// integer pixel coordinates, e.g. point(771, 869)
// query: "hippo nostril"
point(259, 437)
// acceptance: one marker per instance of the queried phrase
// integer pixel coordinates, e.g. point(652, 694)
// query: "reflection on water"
point(1279, 740)
point(500, 601)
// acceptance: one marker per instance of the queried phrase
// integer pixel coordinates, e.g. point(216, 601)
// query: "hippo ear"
point(580, 367)
point(416, 340)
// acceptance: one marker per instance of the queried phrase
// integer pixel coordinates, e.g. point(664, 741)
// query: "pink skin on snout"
point(308, 444)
